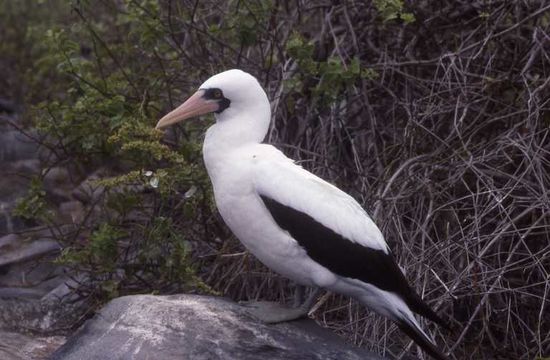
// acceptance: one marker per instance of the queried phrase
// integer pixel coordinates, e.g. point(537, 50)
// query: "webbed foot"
point(273, 312)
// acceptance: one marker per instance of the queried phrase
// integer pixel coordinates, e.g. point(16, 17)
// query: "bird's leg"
point(273, 312)
point(298, 295)
point(310, 301)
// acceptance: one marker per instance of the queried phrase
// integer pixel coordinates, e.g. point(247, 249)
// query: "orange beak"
point(194, 106)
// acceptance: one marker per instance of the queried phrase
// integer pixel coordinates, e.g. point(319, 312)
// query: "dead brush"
point(449, 150)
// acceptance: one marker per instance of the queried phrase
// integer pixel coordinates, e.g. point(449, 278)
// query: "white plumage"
point(245, 174)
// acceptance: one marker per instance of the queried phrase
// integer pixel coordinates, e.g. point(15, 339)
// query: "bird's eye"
point(213, 94)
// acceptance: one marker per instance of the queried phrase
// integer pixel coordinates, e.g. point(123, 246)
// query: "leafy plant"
point(331, 76)
point(34, 205)
point(100, 112)
point(392, 10)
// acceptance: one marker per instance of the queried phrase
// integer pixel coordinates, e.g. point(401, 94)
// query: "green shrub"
point(103, 87)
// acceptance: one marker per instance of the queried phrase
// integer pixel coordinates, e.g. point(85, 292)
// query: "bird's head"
point(227, 94)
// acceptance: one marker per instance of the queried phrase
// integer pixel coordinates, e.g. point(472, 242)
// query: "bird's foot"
point(273, 312)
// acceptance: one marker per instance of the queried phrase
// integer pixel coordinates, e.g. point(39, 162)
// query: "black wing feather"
point(347, 258)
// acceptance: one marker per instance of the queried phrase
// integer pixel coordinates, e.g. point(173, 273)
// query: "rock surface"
point(20, 250)
point(197, 327)
point(17, 346)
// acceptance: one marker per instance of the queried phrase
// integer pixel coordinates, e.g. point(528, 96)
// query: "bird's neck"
point(231, 133)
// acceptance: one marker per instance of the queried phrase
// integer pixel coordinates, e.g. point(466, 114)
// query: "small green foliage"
point(110, 288)
point(100, 253)
point(332, 76)
point(162, 241)
point(407, 17)
point(302, 51)
point(33, 205)
point(140, 142)
point(247, 17)
point(484, 15)
point(103, 246)
point(393, 10)
point(123, 202)
point(101, 250)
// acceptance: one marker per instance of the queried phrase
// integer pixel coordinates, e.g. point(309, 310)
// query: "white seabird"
point(293, 221)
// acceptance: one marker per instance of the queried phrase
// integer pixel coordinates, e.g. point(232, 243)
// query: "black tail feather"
point(420, 339)
point(418, 305)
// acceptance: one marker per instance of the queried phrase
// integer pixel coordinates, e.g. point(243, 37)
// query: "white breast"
point(245, 214)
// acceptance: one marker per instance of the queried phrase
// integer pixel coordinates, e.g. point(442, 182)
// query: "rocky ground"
point(198, 327)
point(35, 294)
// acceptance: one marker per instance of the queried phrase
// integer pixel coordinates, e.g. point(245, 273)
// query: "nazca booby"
point(293, 221)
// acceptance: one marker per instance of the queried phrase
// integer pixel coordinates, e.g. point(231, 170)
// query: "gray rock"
point(21, 250)
point(56, 176)
point(12, 186)
point(10, 223)
point(25, 167)
point(197, 327)
point(71, 212)
point(16, 146)
point(7, 106)
point(41, 274)
point(64, 292)
point(20, 293)
point(88, 191)
point(17, 346)
point(29, 310)
point(8, 241)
